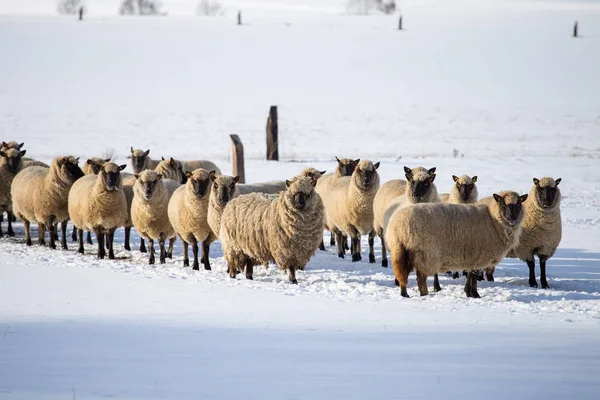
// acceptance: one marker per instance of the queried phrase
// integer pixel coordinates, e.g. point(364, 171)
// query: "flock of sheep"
point(283, 221)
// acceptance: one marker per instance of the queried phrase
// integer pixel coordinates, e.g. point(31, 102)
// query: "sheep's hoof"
point(196, 267)
point(489, 277)
point(127, 247)
point(322, 246)
point(10, 232)
point(455, 275)
point(170, 255)
point(143, 249)
point(475, 295)
point(404, 293)
point(356, 257)
point(186, 262)
point(384, 263)
point(533, 283)
point(371, 258)
point(64, 246)
point(28, 242)
point(52, 246)
point(111, 256)
point(151, 260)
point(163, 260)
point(396, 282)
point(341, 255)
point(80, 250)
point(480, 276)
point(207, 268)
point(249, 277)
point(545, 285)
point(294, 281)
point(437, 288)
point(232, 275)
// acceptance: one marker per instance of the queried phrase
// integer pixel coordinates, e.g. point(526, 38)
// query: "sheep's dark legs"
point(89, 238)
point(471, 285)
point(127, 238)
point(292, 275)
point(332, 239)
point(480, 275)
point(321, 246)
point(52, 235)
point(74, 234)
point(455, 275)
point(205, 251)
point(531, 265)
point(436, 283)
point(489, 274)
point(143, 246)
point(100, 240)
point(27, 232)
point(186, 259)
point(372, 247)
point(163, 252)
point(151, 248)
point(249, 270)
point(543, 280)
point(356, 248)
point(195, 265)
point(42, 234)
point(422, 283)
point(384, 259)
point(63, 239)
point(340, 244)
point(171, 244)
point(10, 218)
point(401, 270)
point(110, 236)
point(345, 239)
point(107, 241)
point(80, 232)
point(1, 233)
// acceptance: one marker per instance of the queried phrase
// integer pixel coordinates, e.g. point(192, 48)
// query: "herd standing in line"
point(282, 221)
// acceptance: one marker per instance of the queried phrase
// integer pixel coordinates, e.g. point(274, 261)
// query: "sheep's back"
point(79, 198)
point(23, 190)
point(204, 164)
point(384, 197)
point(272, 187)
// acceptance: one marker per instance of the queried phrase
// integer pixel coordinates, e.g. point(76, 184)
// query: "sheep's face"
point(420, 182)
point(95, 164)
point(139, 159)
point(147, 182)
point(547, 193)
point(69, 167)
point(199, 182)
point(223, 188)
point(465, 186)
point(11, 145)
point(312, 173)
point(511, 207)
point(12, 158)
point(300, 193)
point(111, 176)
point(347, 166)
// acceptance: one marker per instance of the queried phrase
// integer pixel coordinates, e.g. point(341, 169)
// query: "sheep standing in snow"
point(433, 238)
point(225, 188)
point(542, 228)
point(97, 203)
point(188, 211)
point(176, 170)
point(349, 207)
point(41, 195)
point(10, 164)
point(345, 167)
point(140, 161)
point(286, 229)
point(149, 211)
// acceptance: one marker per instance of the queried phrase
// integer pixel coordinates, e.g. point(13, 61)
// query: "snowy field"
point(501, 82)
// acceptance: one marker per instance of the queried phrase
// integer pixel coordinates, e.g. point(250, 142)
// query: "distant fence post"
point(575, 29)
point(239, 17)
point(272, 128)
point(400, 23)
point(237, 158)
point(81, 13)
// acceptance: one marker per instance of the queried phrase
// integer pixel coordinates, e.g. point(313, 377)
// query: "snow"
point(502, 82)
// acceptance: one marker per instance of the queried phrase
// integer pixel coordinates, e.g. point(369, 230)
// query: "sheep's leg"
point(356, 247)
point(455, 275)
point(331, 239)
point(89, 238)
point(195, 265)
point(151, 248)
point(143, 246)
point(171, 244)
point(372, 247)
point(468, 285)
point(531, 265)
point(100, 240)
point(106, 241)
point(480, 276)
point(127, 237)
point(436, 283)
point(384, 259)
point(42, 234)
point(205, 251)
point(345, 237)
point(401, 269)
point(489, 274)
point(471, 285)
point(163, 252)
point(63, 239)
point(52, 235)
point(27, 232)
point(292, 275)
point(340, 244)
point(111, 240)
point(54, 232)
point(543, 280)
point(10, 218)
point(1, 233)
point(80, 232)
point(321, 246)
point(186, 259)
point(74, 234)
point(422, 283)
point(249, 269)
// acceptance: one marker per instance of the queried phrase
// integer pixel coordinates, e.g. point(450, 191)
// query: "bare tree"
point(210, 8)
point(69, 7)
point(140, 7)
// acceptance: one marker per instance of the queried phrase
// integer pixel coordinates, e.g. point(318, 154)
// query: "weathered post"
point(272, 128)
point(239, 17)
point(237, 158)
point(575, 29)
point(81, 13)
point(400, 23)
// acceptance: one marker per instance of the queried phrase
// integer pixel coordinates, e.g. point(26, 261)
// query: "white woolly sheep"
point(10, 165)
point(188, 212)
point(541, 229)
point(41, 195)
point(349, 207)
point(140, 161)
point(433, 238)
point(286, 229)
point(313, 173)
point(225, 188)
point(176, 170)
point(97, 203)
point(149, 210)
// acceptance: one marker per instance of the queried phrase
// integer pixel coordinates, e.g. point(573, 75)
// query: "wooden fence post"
point(81, 13)
point(239, 17)
point(272, 129)
point(400, 23)
point(237, 158)
point(575, 29)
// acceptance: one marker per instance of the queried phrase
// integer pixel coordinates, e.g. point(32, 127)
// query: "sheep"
point(225, 188)
point(258, 228)
point(433, 238)
point(140, 161)
point(25, 162)
point(314, 173)
point(41, 195)
point(92, 165)
point(11, 145)
point(176, 170)
point(542, 228)
point(10, 164)
point(188, 209)
point(97, 203)
point(388, 192)
point(349, 207)
point(149, 211)
point(345, 167)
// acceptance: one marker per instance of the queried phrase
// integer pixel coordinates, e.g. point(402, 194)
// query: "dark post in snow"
point(272, 128)
point(237, 158)
point(239, 17)
point(81, 13)
point(575, 29)
point(400, 22)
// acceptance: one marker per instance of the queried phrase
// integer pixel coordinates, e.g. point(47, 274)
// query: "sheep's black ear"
point(131, 149)
point(474, 179)
point(558, 181)
point(431, 171)
point(355, 162)
point(337, 159)
point(188, 174)
point(4, 144)
point(288, 183)
point(172, 162)
point(322, 172)
point(122, 167)
point(3, 154)
point(22, 153)
point(20, 146)
point(136, 176)
point(146, 152)
point(212, 175)
point(77, 160)
point(499, 199)
point(455, 178)
point(162, 158)
point(376, 165)
point(236, 179)
point(536, 181)
point(432, 178)
point(107, 160)
point(523, 198)
point(407, 170)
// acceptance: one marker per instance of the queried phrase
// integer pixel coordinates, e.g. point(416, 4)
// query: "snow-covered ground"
point(502, 82)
